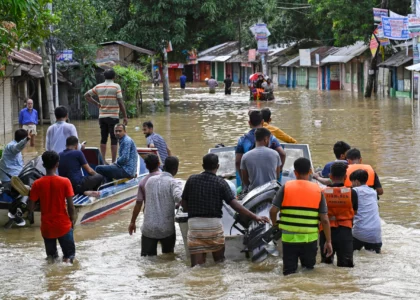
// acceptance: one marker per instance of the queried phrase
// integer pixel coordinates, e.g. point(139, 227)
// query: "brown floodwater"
point(109, 266)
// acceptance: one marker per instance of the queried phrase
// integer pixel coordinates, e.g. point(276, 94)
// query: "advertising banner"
point(252, 54)
point(305, 57)
point(395, 28)
point(262, 45)
point(378, 13)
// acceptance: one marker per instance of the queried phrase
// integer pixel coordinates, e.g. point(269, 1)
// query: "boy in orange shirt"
point(57, 220)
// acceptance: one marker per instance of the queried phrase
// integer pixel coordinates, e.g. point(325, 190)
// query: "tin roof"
point(25, 56)
point(291, 62)
point(398, 59)
point(222, 58)
point(345, 54)
point(206, 58)
point(415, 67)
point(132, 47)
point(225, 49)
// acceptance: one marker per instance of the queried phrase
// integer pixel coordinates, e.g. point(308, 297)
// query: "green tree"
point(23, 22)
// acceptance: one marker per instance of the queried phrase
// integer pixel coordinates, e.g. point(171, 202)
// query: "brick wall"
point(108, 52)
point(6, 126)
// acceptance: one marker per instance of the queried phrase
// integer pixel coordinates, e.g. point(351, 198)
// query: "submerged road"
point(109, 266)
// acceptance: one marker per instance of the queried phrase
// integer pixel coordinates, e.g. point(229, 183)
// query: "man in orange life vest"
point(342, 205)
point(354, 158)
point(301, 205)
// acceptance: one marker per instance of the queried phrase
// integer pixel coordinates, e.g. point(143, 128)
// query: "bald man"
point(28, 119)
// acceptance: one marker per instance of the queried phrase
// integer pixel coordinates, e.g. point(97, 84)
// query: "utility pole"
point(165, 79)
point(415, 41)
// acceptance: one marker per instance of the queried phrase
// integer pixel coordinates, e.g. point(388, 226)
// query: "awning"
point(290, 62)
point(337, 59)
point(206, 58)
point(415, 67)
point(222, 58)
point(33, 70)
point(398, 59)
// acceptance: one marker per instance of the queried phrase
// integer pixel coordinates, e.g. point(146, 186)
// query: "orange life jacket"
point(299, 217)
point(340, 206)
point(367, 168)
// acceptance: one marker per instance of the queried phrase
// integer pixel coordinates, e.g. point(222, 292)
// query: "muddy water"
point(109, 264)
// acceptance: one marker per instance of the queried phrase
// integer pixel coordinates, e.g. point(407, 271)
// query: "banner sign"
point(379, 31)
point(65, 55)
point(373, 45)
point(262, 45)
point(418, 8)
point(414, 26)
point(395, 28)
point(260, 31)
point(252, 54)
point(317, 60)
point(246, 65)
point(305, 57)
point(175, 66)
point(378, 13)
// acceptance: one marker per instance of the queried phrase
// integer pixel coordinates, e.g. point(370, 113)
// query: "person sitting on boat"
point(152, 164)
point(268, 90)
point(203, 198)
point(342, 204)
point(55, 195)
point(367, 222)
point(247, 142)
point(354, 158)
point(301, 204)
point(277, 132)
point(71, 163)
point(163, 192)
point(212, 83)
point(126, 164)
point(155, 140)
point(261, 164)
point(11, 162)
point(58, 133)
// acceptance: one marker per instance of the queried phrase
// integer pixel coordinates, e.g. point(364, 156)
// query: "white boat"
point(116, 195)
point(245, 238)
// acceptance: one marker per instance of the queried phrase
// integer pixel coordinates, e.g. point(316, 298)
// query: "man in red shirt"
point(56, 220)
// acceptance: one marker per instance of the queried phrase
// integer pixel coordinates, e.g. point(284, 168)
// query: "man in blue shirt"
point(154, 140)
point(126, 164)
point(340, 148)
point(183, 80)
point(247, 143)
point(28, 119)
point(11, 163)
point(71, 163)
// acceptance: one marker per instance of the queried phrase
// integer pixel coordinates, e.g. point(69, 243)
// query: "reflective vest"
point(340, 206)
point(367, 168)
point(299, 217)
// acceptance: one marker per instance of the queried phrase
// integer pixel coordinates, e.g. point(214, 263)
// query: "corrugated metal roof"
point(26, 56)
point(135, 48)
point(345, 54)
point(398, 59)
point(415, 67)
point(225, 49)
point(291, 62)
point(222, 58)
point(206, 58)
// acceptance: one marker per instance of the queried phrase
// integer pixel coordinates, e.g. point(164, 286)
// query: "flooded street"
point(109, 266)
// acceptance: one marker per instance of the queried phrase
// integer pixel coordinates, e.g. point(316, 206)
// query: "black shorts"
point(342, 243)
point(107, 128)
point(358, 245)
point(305, 252)
point(228, 91)
point(149, 245)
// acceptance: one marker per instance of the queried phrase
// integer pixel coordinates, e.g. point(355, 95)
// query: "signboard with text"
point(378, 13)
point(305, 57)
point(395, 28)
point(65, 55)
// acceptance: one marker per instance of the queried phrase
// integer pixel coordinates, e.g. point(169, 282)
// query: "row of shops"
point(317, 68)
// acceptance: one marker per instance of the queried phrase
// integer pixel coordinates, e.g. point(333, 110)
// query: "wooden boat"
point(244, 238)
point(116, 195)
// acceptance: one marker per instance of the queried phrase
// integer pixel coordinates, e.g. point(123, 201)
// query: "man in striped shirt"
point(154, 140)
point(110, 103)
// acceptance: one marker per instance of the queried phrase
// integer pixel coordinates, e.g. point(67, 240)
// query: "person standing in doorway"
point(228, 85)
point(28, 119)
point(55, 195)
point(110, 104)
point(182, 80)
point(58, 133)
point(154, 140)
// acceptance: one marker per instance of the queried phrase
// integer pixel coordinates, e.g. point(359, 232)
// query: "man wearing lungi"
point(203, 198)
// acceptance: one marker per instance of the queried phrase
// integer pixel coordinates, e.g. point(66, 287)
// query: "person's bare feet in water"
point(96, 194)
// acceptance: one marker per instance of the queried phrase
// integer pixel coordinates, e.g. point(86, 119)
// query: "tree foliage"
point(23, 22)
